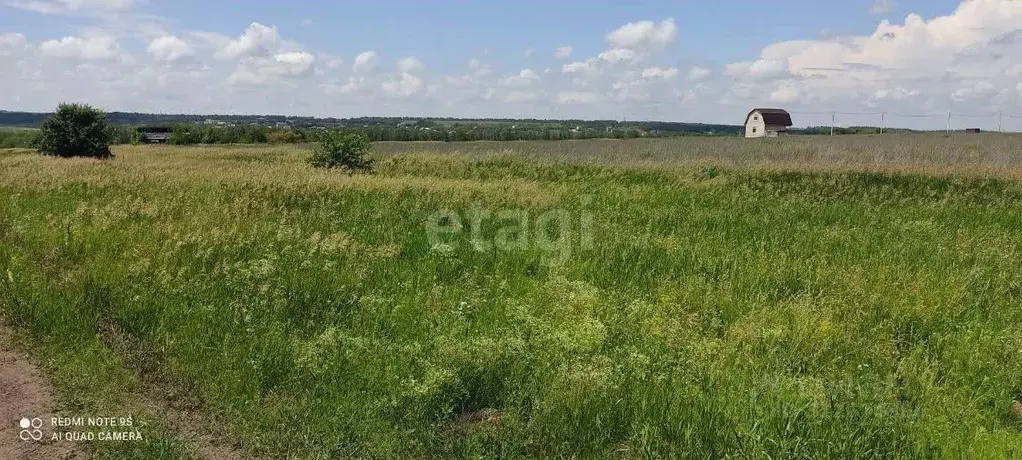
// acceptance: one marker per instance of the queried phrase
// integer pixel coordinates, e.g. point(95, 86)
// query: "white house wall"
point(755, 127)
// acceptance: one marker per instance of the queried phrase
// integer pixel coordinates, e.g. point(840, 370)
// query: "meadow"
point(803, 297)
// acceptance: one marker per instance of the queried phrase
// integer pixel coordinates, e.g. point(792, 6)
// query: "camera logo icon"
point(30, 429)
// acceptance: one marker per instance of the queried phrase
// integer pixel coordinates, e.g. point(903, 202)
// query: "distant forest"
point(231, 129)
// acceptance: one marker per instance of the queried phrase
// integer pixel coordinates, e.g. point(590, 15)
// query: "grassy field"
point(811, 297)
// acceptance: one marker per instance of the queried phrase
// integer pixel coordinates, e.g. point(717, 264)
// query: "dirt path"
point(26, 394)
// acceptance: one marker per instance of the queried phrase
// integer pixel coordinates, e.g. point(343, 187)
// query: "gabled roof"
point(772, 116)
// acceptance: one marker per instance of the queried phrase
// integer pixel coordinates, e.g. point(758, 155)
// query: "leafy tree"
point(343, 150)
point(75, 130)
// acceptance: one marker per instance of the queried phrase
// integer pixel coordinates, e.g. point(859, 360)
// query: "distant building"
point(972, 130)
point(154, 134)
point(767, 123)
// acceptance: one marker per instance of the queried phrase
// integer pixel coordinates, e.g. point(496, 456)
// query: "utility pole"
point(833, 116)
point(882, 122)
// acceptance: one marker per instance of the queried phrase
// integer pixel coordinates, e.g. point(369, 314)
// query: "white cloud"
point(169, 48)
point(478, 68)
point(402, 85)
point(515, 97)
point(697, 74)
point(258, 40)
point(72, 6)
point(784, 93)
point(293, 64)
point(881, 6)
point(966, 59)
point(528, 52)
point(266, 71)
point(330, 61)
point(587, 67)
point(11, 43)
point(307, 22)
point(365, 62)
point(644, 34)
point(763, 69)
point(352, 85)
point(980, 89)
point(247, 78)
point(579, 97)
point(660, 72)
point(897, 94)
point(618, 55)
point(956, 58)
point(92, 47)
point(409, 64)
point(524, 78)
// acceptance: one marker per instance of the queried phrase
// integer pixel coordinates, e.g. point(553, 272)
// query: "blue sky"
point(671, 60)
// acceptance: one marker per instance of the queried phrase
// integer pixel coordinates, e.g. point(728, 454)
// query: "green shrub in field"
point(75, 130)
point(283, 137)
point(343, 150)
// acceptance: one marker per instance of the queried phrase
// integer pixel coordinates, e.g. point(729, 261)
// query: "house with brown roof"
point(767, 123)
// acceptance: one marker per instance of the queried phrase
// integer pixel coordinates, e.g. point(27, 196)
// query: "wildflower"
point(442, 250)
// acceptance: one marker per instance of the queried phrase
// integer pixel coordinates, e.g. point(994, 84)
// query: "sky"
point(678, 60)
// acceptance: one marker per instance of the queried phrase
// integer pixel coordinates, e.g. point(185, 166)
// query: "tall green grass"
point(723, 310)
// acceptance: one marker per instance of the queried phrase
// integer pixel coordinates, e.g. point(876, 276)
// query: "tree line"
point(188, 134)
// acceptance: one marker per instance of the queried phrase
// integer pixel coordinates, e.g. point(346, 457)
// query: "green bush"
point(75, 130)
point(343, 150)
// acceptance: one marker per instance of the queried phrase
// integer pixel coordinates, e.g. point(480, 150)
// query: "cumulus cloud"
point(524, 78)
point(409, 64)
point(351, 86)
point(169, 48)
point(980, 89)
point(72, 6)
point(1014, 71)
point(402, 85)
point(644, 34)
point(881, 6)
point(897, 94)
point(365, 62)
point(515, 97)
point(478, 68)
point(784, 93)
point(11, 43)
point(956, 57)
point(618, 55)
point(95, 47)
point(660, 72)
point(578, 97)
point(264, 71)
point(258, 40)
point(762, 69)
point(966, 60)
point(697, 74)
point(587, 67)
point(294, 64)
